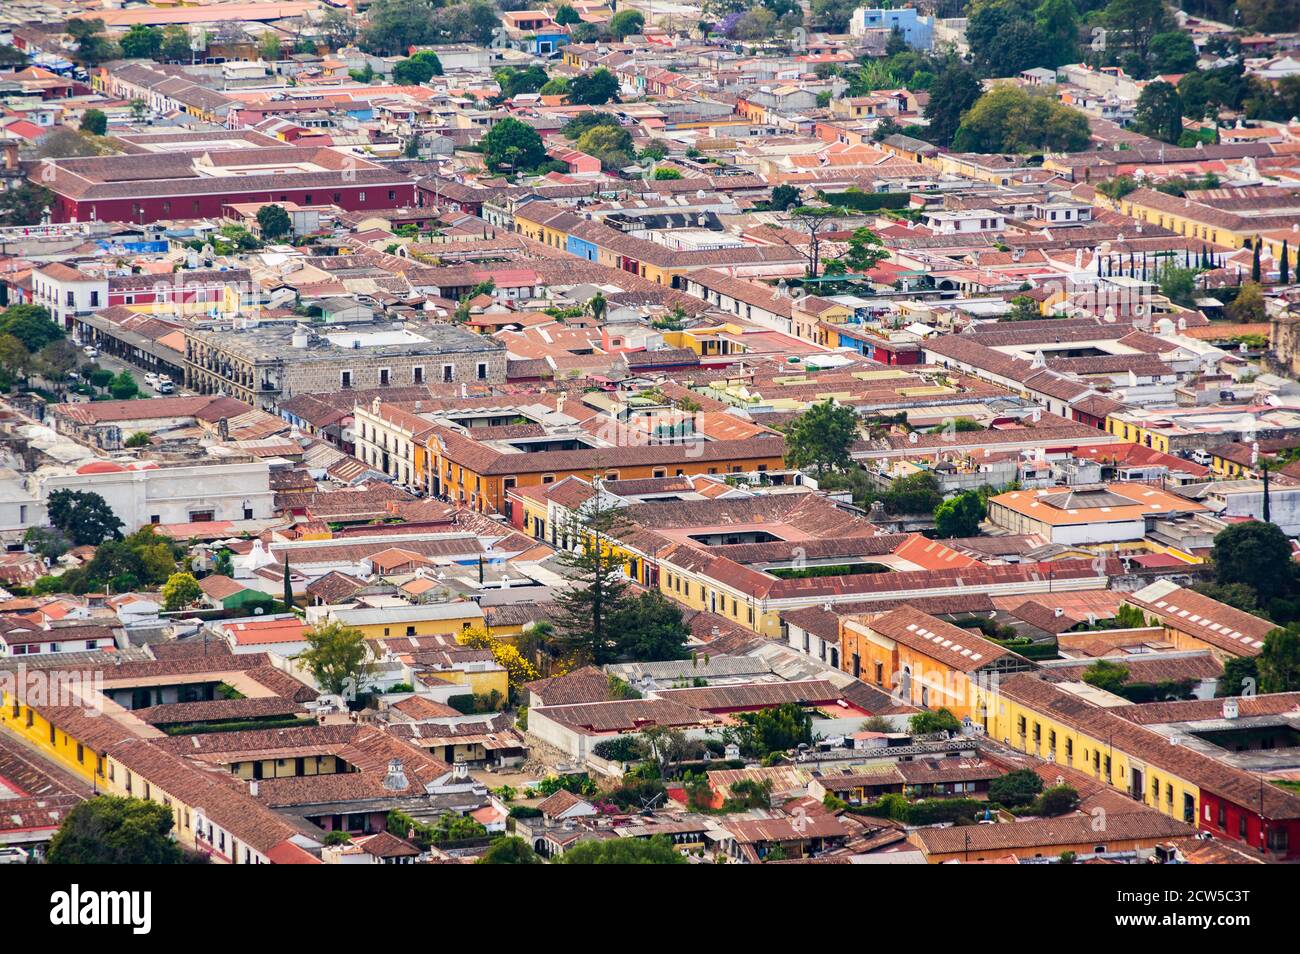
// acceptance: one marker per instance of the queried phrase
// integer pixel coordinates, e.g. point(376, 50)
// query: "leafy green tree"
point(579, 124)
point(138, 439)
point(180, 590)
point(626, 23)
point(610, 144)
point(84, 517)
point(1240, 677)
point(273, 221)
point(649, 628)
point(657, 850)
point(865, 251)
point(514, 81)
point(596, 88)
point(1058, 24)
point(1004, 37)
point(833, 15)
point(918, 493)
point(394, 26)
point(141, 42)
point(175, 46)
point(1248, 307)
point(666, 172)
point(94, 121)
point(1159, 112)
point(1057, 800)
point(513, 145)
point(784, 197)
point(338, 657)
point(1172, 52)
point(960, 516)
point(822, 437)
point(420, 68)
point(932, 721)
point(1279, 660)
point(1255, 554)
point(107, 830)
point(775, 729)
point(954, 91)
point(1016, 788)
point(1178, 285)
point(25, 204)
point(92, 45)
point(511, 850)
point(1133, 24)
point(30, 324)
point(46, 542)
point(124, 387)
point(1013, 119)
point(565, 15)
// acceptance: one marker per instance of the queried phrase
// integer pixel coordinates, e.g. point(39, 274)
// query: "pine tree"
point(1255, 271)
point(288, 586)
point(599, 591)
point(1284, 266)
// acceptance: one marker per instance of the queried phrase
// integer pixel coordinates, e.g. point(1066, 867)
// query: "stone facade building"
point(265, 363)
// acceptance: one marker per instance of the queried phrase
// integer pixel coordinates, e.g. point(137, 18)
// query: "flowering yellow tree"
point(518, 669)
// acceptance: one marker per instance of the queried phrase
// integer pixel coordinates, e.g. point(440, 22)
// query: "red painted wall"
point(145, 211)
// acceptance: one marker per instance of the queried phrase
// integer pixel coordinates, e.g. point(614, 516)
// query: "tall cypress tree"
point(1255, 271)
point(1284, 266)
point(288, 586)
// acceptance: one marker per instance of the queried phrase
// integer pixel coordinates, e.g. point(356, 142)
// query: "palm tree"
point(596, 305)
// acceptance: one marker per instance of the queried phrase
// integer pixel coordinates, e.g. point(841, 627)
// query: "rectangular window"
point(482, 370)
point(345, 379)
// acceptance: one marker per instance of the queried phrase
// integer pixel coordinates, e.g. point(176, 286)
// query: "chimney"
point(460, 771)
point(1230, 709)
point(252, 788)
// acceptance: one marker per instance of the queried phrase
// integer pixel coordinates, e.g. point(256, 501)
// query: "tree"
point(138, 439)
point(612, 145)
point(596, 306)
point(514, 81)
point(784, 197)
point(180, 590)
point(596, 88)
point(175, 46)
point(1240, 677)
point(1057, 800)
point(141, 42)
point(932, 722)
point(1178, 285)
point(667, 172)
point(1248, 307)
point(960, 516)
point(337, 28)
point(1284, 265)
point(813, 221)
point(821, 437)
point(649, 628)
point(775, 729)
point(24, 204)
point(510, 657)
point(94, 121)
point(918, 493)
point(1279, 660)
point(338, 657)
point(15, 360)
point(1257, 555)
point(268, 47)
point(865, 251)
point(626, 23)
point(1172, 52)
point(394, 26)
point(757, 23)
point(93, 47)
point(107, 830)
point(954, 91)
point(30, 324)
point(833, 15)
point(1004, 37)
point(273, 221)
point(417, 70)
point(657, 850)
point(579, 124)
point(1133, 24)
point(1016, 788)
point(511, 850)
point(585, 611)
point(514, 145)
point(565, 15)
point(1014, 119)
point(1106, 675)
point(124, 387)
point(1159, 112)
point(84, 517)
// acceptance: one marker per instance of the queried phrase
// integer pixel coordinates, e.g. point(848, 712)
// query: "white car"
point(90, 351)
point(151, 378)
point(13, 855)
